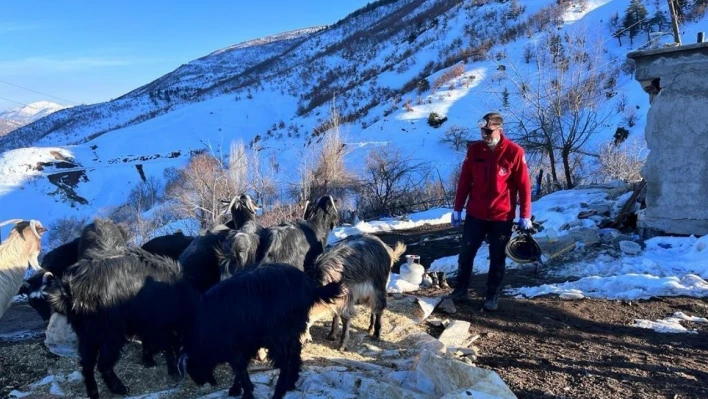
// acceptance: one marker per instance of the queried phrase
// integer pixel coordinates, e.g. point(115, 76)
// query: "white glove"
point(456, 219)
point(525, 224)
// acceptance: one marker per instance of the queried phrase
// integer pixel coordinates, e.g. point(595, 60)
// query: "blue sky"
point(92, 51)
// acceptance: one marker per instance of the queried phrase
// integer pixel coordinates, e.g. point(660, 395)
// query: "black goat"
point(171, 245)
point(362, 263)
point(110, 294)
point(259, 307)
point(55, 261)
point(239, 249)
point(242, 209)
point(200, 262)
point(299, 243)
point(102, 238)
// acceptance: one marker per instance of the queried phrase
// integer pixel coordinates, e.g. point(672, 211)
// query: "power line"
point(38, 92)
point(17, 102)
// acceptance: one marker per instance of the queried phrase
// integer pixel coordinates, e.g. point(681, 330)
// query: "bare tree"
point(203, 183)
point(328, 175)
point(561, 99)
point(64, 230)
point(393, 182)
point(457, 136)
point(622, 162)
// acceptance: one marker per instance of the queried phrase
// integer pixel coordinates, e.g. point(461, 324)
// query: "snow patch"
point(670, 324)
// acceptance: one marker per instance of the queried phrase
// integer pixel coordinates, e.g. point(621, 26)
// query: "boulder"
point(439, 376)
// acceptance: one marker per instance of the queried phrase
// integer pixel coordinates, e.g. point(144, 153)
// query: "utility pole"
point(674, 22)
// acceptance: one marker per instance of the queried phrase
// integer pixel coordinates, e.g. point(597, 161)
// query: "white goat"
point(19, 249)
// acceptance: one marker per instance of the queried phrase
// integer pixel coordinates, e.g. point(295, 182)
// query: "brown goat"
point(20, 248)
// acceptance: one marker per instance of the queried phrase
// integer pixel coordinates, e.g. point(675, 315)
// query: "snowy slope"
point(21, 116)
point(244, 91)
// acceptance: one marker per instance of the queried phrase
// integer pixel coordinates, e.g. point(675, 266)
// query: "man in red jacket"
point(493, 173)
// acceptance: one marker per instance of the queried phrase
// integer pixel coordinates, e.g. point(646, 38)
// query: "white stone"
point(439, 376)
point(60, 338)
point(470, 394)
point(448, 306)
point(455, 334)
point(630, 247)
point(428, 305)
point(424, 341)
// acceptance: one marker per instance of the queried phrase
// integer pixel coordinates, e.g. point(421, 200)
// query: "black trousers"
point(475, 230)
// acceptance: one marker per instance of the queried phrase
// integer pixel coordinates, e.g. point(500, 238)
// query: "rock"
point(435, 322)
point(60, 338)
point(372, 348)
point(555, 249)
point(467, 351)
point(472, 340)
point(470, 394)
point(587, 236)
point(428, 305)
point(438, 376)
point(630, 247)
point(398, 295)
point(601, 208)
point(470, 360)
point(423, 341)
point(455, 334)
point(447, 306)
point(361, 387)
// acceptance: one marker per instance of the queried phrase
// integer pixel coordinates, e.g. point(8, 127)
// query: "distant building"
point(676, 170)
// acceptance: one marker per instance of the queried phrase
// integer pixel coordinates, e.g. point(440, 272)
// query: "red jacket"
point(492, 180)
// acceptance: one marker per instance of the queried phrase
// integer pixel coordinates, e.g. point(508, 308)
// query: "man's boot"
point(491, 303)
point(434, 277)
point(442, 281)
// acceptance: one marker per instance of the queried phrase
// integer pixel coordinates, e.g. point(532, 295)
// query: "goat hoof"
point(236, 391)
point(331, 337)
point(342, 348)
point(248, 395)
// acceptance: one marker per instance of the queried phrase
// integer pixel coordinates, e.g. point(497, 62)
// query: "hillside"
point(21, 116)
point(274, 93)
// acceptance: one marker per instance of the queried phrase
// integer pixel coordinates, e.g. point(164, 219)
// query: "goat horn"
point(33, 225)
point(15, 221)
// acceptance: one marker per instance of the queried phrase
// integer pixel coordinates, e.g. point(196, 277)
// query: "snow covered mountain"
point(389, 65)
point(18, 117)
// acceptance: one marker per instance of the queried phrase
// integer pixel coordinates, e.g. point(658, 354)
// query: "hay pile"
point(23, 364)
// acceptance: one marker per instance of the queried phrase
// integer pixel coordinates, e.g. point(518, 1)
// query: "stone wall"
point(676, 169)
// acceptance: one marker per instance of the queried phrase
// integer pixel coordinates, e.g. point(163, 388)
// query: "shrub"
point(64, 230)
point(621, 162)
point(436, 120)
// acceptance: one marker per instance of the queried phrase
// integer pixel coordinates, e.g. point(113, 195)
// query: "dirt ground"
point(542, 348)
point(552, 348)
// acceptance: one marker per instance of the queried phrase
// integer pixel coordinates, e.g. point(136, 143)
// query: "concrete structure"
point(676, 170)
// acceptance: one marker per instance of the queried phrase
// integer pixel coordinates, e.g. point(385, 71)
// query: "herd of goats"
point(215, 298)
